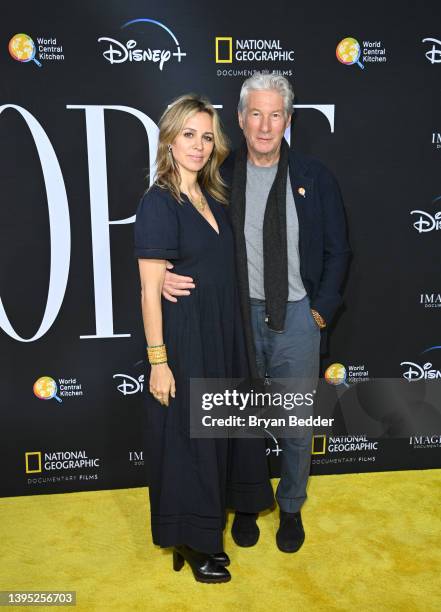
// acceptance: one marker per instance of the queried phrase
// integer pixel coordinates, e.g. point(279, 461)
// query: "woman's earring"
point(169, 148)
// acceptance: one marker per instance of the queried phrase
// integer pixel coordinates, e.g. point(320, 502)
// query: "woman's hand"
point(162, 383)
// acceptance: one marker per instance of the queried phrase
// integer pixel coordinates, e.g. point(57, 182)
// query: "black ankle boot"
point(203, 566)
point(244, 530)
point(290, 535)
point(221, 558)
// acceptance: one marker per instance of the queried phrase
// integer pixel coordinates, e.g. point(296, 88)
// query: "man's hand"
point(175, 284)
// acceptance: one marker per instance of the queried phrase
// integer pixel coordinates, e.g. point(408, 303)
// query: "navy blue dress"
point(191, 481)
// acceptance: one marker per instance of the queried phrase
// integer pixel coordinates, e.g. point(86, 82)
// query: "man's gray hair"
point(265, 82)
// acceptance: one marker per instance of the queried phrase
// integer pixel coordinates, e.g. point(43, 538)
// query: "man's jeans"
point(293, 353)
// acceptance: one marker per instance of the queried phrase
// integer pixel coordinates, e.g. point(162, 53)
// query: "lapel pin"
point(302, 191)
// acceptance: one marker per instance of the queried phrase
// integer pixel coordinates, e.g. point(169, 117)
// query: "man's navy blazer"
point(323, 245)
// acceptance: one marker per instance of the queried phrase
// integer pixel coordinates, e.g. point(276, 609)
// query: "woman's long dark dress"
point(192, 480)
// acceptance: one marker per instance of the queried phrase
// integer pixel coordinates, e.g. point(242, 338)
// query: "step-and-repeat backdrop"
point(81, 91)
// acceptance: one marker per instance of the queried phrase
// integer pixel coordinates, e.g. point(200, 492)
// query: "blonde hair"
point(170, 125)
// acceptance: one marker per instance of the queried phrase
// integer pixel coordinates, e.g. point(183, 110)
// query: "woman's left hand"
point(162, 383)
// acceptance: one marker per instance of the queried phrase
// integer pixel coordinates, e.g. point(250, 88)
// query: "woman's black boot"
point(203, 566)
point(221, 558)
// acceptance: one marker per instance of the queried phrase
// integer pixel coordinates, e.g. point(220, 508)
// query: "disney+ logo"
point(434, 54)
point(427, 222)
point(414, 371)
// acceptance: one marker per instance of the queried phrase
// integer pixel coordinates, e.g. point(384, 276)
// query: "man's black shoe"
point(245, 531)
point(290, 535)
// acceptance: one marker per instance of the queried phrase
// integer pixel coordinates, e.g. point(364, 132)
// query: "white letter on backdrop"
point(59, 226)
point(99, 208)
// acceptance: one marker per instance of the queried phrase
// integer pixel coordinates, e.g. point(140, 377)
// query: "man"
point(291, 255)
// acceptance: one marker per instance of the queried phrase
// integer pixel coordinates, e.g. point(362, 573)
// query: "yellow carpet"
point(373, 542)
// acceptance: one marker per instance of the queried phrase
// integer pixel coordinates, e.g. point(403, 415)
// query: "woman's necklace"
point(201, 204)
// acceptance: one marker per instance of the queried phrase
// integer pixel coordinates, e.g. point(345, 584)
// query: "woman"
point(182, 219)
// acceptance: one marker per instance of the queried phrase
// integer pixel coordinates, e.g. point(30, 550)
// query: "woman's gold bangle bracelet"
point(157, 354)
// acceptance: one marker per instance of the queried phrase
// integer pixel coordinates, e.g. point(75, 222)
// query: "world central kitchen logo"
point(350, 52)
point(228, 50)
point(148, 32)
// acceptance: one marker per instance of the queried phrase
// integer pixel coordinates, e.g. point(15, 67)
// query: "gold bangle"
point(318, 319)
point(157, 354)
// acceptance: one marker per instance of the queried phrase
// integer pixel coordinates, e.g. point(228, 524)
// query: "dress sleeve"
point(156, 227)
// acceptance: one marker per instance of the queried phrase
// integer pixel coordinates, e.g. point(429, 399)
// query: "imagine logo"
point(348, 52)
point(22, 48)
point(118, 52)
point(136, 457)
point(430, 300)
point(45, 388)
point(433, 441)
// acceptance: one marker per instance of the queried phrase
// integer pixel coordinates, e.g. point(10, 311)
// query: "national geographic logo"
point(228, 50)
point(63, 460)
point(345, 444)
point(318, 445)
point(33, 462)
point(343, 449)
point(338, 444)
point(224, 50)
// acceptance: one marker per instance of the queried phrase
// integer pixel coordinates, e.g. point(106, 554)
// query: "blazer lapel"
point(303, 192)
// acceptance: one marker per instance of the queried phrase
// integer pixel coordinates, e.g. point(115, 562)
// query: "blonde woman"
point(182, 219)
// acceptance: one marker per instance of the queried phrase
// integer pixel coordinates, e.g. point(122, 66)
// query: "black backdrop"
point(75, 134)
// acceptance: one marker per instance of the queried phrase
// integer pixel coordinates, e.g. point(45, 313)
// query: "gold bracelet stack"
point(318, 319)
point(157, 354)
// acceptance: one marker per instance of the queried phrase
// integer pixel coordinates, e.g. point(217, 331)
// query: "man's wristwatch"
point(318, 319)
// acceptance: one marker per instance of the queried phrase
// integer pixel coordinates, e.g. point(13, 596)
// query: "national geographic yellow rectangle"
point(318, 445)
point(224, 50)
point(31, 464)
